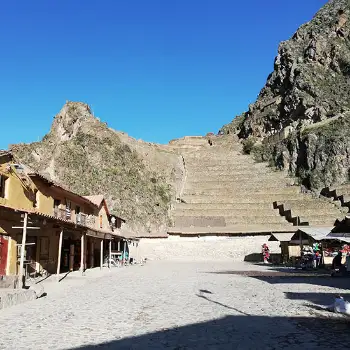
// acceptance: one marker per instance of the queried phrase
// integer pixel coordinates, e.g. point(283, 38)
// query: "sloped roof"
point(282, 237)
point(97, 199)
point(316, 232)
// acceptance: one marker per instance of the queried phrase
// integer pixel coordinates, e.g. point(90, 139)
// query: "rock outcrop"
point(138, 179)
point(308, 91)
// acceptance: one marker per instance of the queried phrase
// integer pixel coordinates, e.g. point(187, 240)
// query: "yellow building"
point(64, 232)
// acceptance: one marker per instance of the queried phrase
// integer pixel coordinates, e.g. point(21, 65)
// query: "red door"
point(3, 254)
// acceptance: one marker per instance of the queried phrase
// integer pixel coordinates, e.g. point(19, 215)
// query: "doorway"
point(3, 254)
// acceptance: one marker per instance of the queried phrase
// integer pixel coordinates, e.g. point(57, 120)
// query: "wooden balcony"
point(85, 220)
point(62, 214)
point(80, 219)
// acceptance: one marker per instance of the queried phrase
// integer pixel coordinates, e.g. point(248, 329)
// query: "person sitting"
point(337, 265)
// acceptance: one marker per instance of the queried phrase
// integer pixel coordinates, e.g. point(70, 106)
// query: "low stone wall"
point(13, 297)
point(205, 248)
point(278, 136)
point(9, 282)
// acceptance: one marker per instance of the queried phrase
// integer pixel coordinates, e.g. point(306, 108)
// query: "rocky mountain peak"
point(311, 76)
point(73, 117)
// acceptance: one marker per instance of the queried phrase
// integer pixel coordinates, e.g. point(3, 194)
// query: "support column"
point(101, 257)
point(110, 253)
point(119, 246)
point(92, 253)
point(23, 246)
point(124, 252)
point(82, 251)
point(71, 257)
point(59, 255)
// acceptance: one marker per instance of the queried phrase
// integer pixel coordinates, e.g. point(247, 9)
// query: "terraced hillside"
point(226, 192)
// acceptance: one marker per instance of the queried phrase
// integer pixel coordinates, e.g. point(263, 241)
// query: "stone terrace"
point(227, 191)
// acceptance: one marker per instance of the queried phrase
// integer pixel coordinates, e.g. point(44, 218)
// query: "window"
point(3, 181)
point(36, 199)
point(101, 221)
point(56, 203)
point(77, 210)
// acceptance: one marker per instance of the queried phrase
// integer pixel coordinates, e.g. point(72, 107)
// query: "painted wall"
point(102, 211)
point(16, 194)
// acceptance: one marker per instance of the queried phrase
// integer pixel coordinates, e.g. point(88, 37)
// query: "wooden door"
point(3, 254)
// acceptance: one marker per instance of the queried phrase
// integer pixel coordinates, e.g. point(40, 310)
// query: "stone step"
point(199, 221)
point(311, 212)
point(232, 229)
point(255, 220)
point(233, 185)
point(232, 206)
point(217, 168)
point(238, 173)
point(237, 191)
point(227, 183)
point(341, 189)
point(306, 202)
point(320, 219)
point(226, 212)
point(241, 198)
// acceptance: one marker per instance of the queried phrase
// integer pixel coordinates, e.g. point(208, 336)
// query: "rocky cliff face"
point(139, 179)
point(310, 85)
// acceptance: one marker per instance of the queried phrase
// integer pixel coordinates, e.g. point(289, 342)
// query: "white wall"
point(204, 248)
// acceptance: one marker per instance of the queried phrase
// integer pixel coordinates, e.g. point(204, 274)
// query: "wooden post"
point(124, 252)
point(137, 252)
point(119, 246)
point(82, 249)
point(92, 253)
point(110, 253)
point(21, 263)
point(71, 257)
point(101, 257)
point(59, 255)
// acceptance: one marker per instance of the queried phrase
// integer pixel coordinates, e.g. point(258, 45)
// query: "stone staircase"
point(226, 192)
point(340, 194)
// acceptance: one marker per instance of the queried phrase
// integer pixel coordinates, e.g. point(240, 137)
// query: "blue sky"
point(156, 69)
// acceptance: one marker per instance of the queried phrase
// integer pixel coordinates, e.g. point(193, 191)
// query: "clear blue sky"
point(156, 69)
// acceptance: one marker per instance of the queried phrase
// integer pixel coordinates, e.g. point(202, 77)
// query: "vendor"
point(336, 263)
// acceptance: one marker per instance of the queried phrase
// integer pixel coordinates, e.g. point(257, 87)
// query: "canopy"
point(317, 233)
point(282, 237)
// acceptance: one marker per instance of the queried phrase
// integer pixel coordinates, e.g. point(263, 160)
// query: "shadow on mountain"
point(243, 332)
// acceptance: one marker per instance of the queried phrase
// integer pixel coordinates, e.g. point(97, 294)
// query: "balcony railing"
point(80, 219)
point(85, 220)
point(62, 214)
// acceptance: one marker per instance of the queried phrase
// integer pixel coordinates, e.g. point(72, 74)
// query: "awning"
point(282, 237)
point(317, 233)
point(338, 238)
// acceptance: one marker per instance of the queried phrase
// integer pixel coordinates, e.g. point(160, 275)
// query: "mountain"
point(301, 115)
point(138, 179)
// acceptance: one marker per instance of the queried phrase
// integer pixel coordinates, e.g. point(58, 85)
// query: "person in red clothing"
point(265, 253)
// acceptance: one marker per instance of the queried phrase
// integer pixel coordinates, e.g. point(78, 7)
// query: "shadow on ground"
point(289, 276)
point(243, 332)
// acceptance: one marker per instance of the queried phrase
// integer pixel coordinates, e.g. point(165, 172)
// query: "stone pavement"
point(165, 305)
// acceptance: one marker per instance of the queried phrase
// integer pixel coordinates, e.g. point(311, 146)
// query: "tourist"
point(265, 253)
